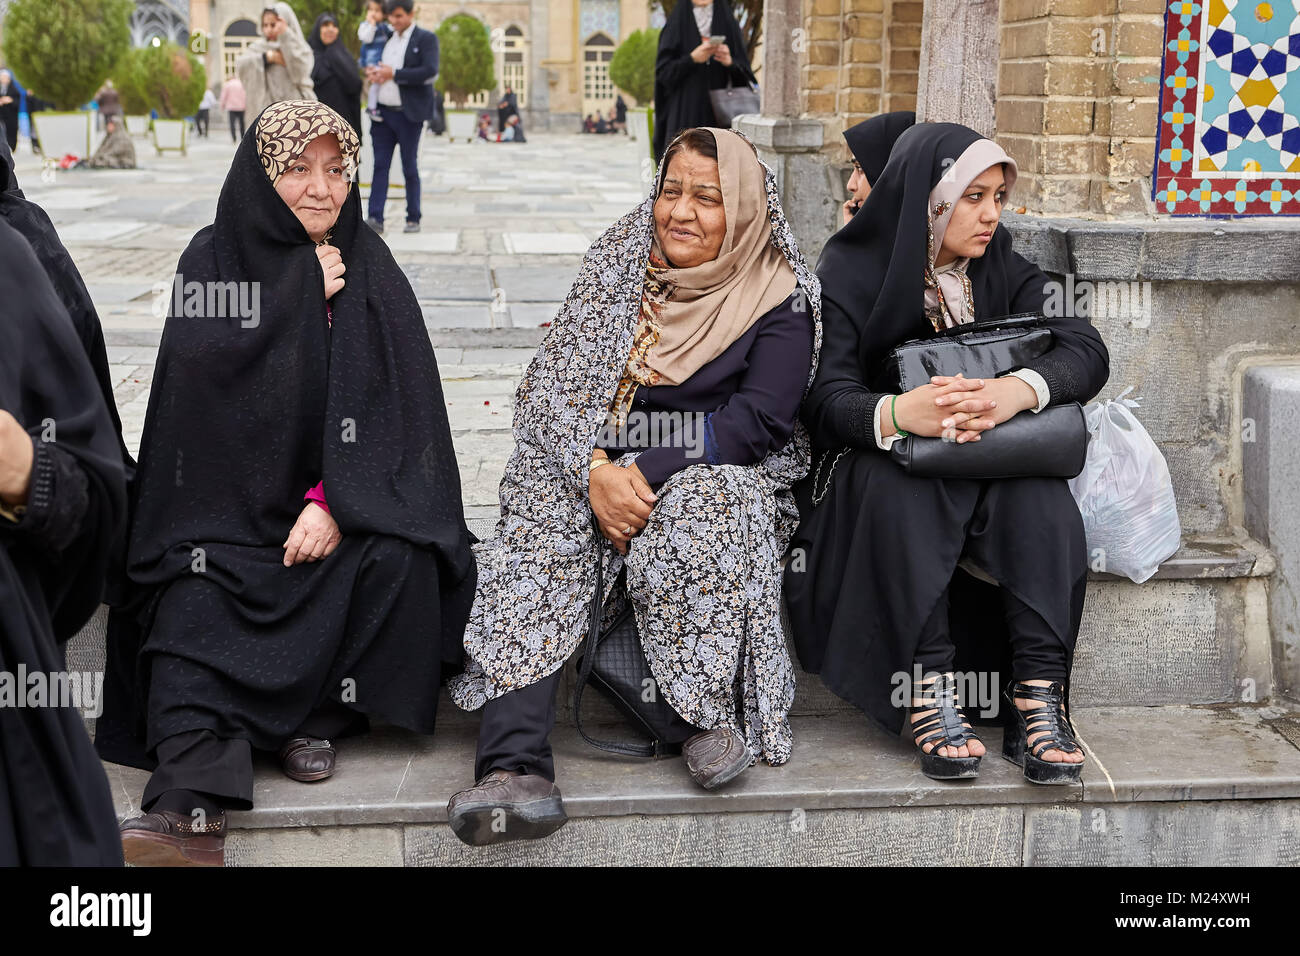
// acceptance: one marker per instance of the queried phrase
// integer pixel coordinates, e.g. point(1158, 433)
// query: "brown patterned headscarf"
point(286, 129)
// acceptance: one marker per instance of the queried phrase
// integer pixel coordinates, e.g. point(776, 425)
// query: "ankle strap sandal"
point(944, 728)
point(1054, 731)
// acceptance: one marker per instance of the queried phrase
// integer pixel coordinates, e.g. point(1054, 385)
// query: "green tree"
point(349, 14)
point(465, 64)
point(633, 67)
point(128, 77)
point(748, 14)
point(63, 50)
point(164, 77)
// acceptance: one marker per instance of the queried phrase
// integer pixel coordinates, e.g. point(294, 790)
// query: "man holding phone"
point(700, 49)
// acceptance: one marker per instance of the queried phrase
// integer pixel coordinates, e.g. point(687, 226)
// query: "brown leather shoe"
point(715, 757)
point(307, 759)
point(164, 838)
point(506, 806)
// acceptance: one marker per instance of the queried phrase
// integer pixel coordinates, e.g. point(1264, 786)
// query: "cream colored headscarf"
point(948, 300)
point(711, 305)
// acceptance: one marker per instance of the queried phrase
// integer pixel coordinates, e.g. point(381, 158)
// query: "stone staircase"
point(1190, 764)
point(1181, 695)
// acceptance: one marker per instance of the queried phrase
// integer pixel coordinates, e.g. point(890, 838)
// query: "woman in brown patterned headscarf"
point(267, 618)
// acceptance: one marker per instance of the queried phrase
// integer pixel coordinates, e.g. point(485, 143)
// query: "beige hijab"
point(709, 306)
point(948, 300)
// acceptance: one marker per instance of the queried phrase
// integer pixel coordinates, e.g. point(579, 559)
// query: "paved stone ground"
point(504, 230)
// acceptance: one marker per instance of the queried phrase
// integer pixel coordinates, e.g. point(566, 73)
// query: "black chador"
point(874, 568)
point(246, 413)
point(682, 85)
point(55, 808)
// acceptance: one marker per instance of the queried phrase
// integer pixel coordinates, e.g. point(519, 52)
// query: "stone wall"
point(1076, 106)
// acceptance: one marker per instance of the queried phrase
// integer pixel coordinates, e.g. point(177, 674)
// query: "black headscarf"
point(872, 140)
point(55, 808)
point(873, 280)
point(244, 417)
point(873, 269)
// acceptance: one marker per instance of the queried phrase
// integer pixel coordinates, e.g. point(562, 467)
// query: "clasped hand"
point(621, 499)
point(956, 408)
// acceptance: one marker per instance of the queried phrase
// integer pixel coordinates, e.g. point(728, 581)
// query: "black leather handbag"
point(614, 663)
point(1050, 444)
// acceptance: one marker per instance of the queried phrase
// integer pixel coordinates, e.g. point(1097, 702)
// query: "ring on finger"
point(628, 531)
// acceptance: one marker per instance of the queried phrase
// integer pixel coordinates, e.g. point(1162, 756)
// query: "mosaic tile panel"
point(1228, 142)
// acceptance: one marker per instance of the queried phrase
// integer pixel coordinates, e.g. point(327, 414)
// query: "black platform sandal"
point(1053, 726)
point(943, 728)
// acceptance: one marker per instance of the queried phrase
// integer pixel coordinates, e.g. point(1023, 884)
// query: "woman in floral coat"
point(694, 320)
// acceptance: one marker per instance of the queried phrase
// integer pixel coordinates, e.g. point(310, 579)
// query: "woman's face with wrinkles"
point(315, 186)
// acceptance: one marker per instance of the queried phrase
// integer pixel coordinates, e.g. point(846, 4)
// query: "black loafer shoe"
point(506, 806)
point(307, 759)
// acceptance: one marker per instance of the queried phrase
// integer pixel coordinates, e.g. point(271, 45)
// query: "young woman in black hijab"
point(298, 524)
point(875, 597)
point(335, 75)
point(870, 143)
point(62, 502)
point(688, 66)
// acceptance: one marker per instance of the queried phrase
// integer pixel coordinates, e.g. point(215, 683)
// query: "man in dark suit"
point(405, 75)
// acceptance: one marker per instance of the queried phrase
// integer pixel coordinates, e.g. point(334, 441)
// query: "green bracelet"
point(892, 400)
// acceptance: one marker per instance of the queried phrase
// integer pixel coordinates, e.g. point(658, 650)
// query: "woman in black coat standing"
point(689, 66)
point(335, 75)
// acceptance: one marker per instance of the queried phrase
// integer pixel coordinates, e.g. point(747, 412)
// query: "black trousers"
point(201, 123)
point(236, 117)
point(219, 769)
point(515, 733)
point(1036, 651)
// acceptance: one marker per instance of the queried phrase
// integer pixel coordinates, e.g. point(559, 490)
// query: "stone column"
point(787, 143)
point(959, 63)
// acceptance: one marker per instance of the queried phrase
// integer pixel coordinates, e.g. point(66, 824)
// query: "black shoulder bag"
point(1048, 444)
point(614, 663)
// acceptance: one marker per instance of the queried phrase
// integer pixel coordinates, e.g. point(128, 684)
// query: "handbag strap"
point(588, 661)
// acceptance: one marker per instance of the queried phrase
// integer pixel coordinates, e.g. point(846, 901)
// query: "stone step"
point(1170, 785)
point(1197, 633)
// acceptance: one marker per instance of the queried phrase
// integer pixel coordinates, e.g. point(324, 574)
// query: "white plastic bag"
point(1125, 494)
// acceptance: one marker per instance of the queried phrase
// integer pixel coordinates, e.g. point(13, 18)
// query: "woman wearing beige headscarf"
point(278, 66)
point(664, 400)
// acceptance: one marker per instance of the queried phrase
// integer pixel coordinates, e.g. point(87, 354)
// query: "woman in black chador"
point(876, 599)
point(298, 534)
point(62, 501)
point(688, 66)
point(335, 76)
